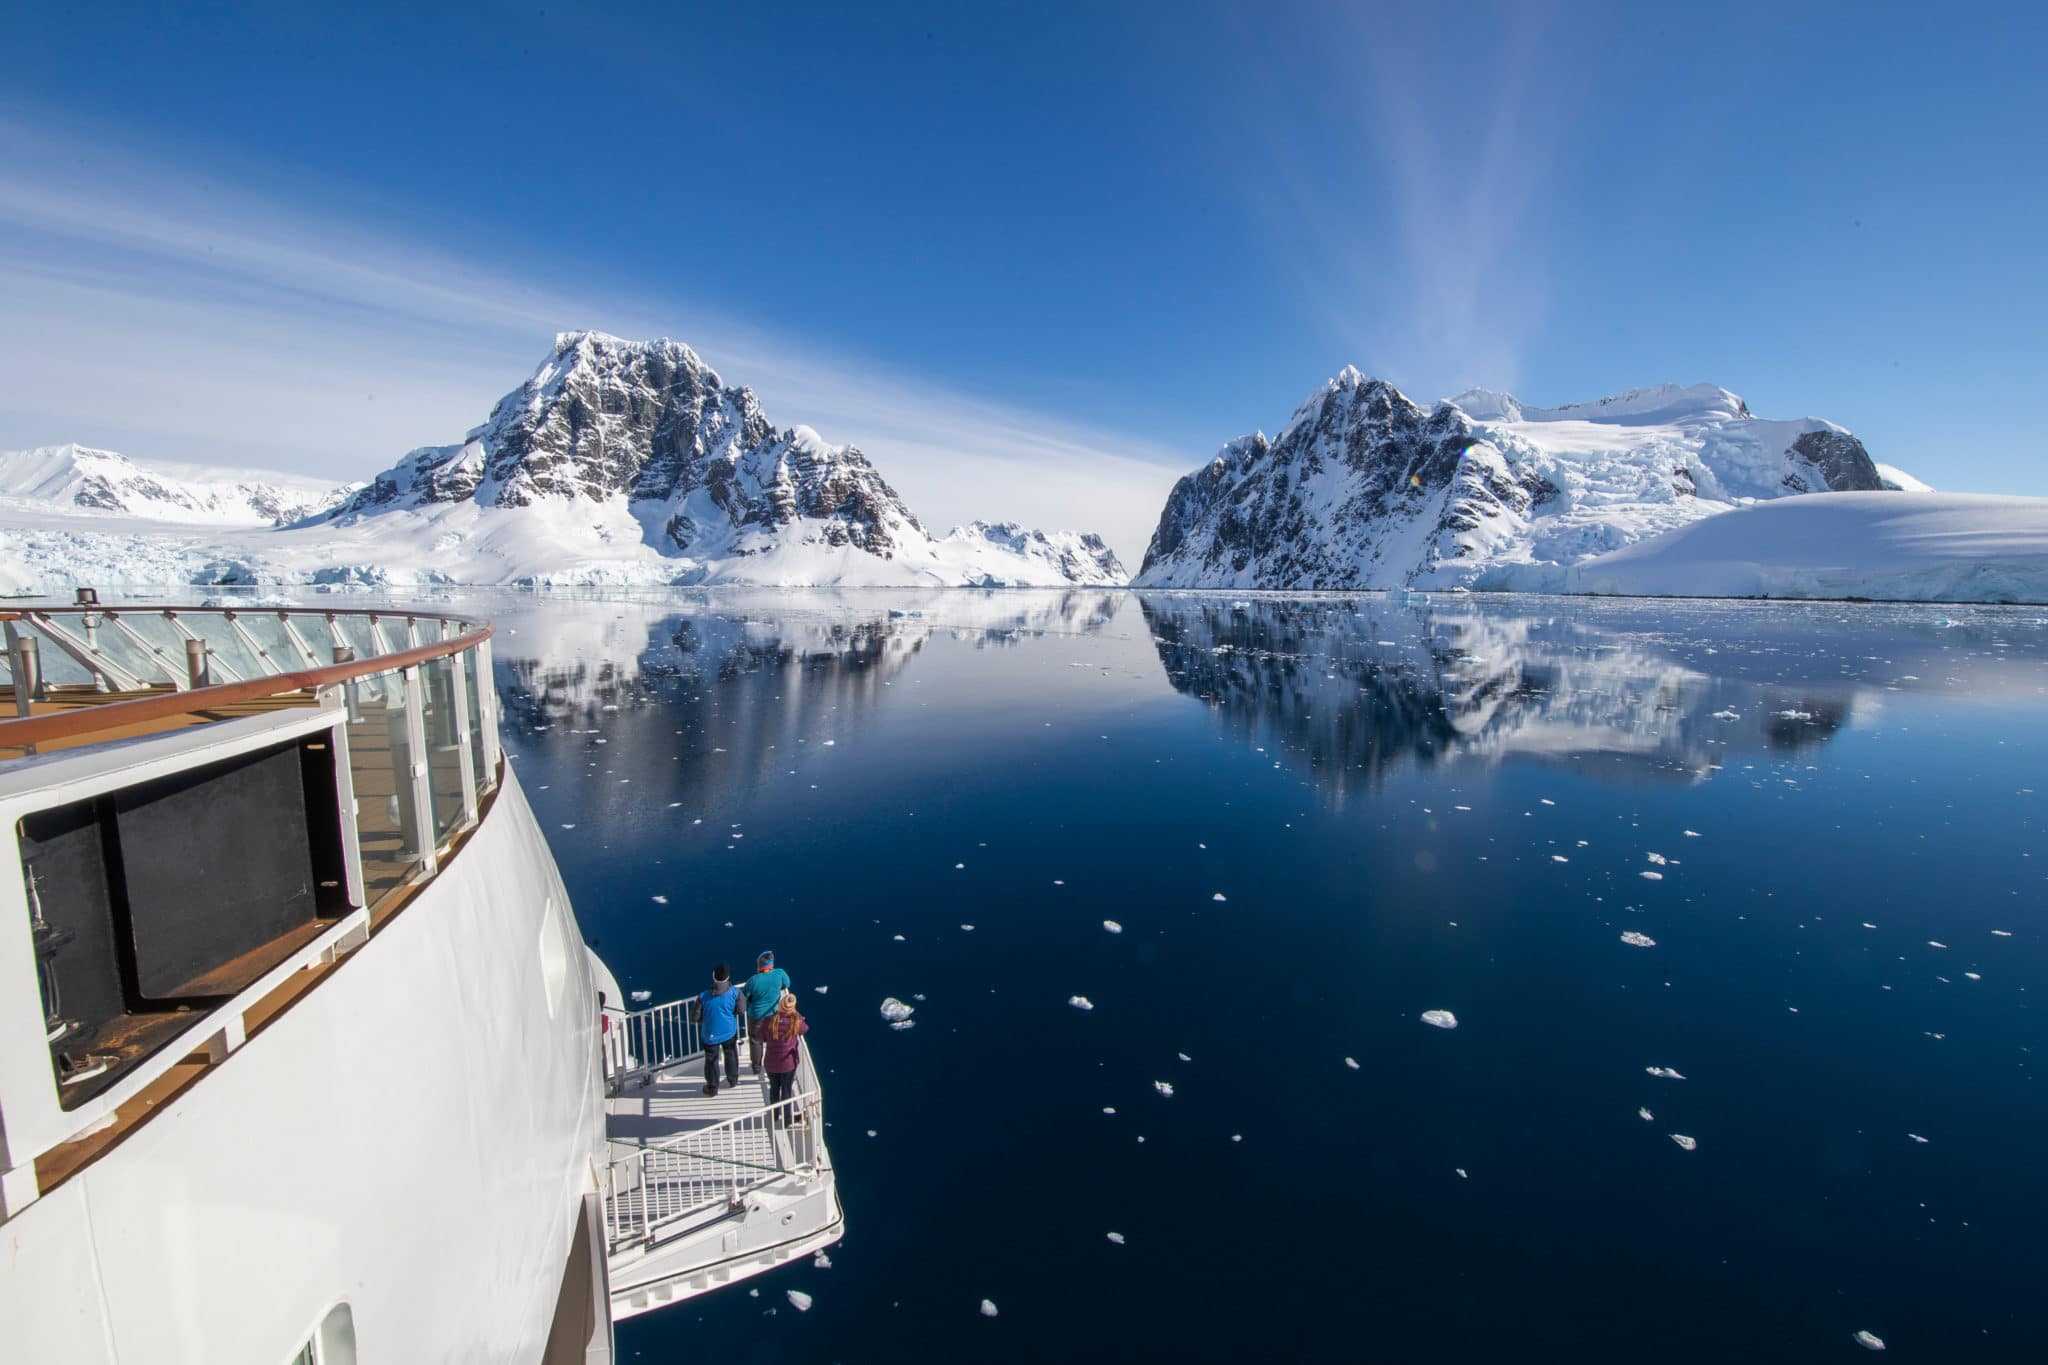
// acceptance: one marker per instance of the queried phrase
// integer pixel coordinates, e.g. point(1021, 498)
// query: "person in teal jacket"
point(762, 990)
point(719, 1029)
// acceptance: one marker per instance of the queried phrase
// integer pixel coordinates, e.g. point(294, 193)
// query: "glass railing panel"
point(225, 646)
point(355, 631)
point(444, 745)
point(268, 632)
point(471, 663)
point(100, 634)
point(380, 763)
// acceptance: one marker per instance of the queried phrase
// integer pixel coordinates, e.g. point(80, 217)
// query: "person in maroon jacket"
point(779, 1034)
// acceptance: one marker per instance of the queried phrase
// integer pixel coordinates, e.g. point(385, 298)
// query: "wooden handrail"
point(82, 721)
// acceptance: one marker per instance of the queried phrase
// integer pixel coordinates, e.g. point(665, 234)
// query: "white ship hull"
point(415, 1137)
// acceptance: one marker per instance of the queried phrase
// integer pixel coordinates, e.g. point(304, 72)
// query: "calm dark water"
point(1316, 819)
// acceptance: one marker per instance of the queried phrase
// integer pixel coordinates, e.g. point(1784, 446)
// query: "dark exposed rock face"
point(650, 421)
point(1844, 465)
point(1308, 510)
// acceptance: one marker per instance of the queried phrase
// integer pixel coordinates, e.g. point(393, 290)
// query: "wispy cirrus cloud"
point(164, 312)
point(1416, 239)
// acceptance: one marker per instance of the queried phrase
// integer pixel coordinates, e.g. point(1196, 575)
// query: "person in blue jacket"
point(762, 991)
point(719, 1029)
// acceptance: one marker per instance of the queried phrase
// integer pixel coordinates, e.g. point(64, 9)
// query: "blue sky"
point(1037, 262)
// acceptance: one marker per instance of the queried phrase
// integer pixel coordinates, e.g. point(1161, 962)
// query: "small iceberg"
point(1869, 1341)
point(1112, 926)
point(1165, 1090)
point(1685, 1143)
point(799, 1300)
point(895, 1011)
point(1439, 1018)
point(988, 1308)
point(642, 997)
point(1636, 940)
point(1080, 1002)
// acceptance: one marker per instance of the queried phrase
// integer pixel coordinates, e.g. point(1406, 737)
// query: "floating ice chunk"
point(1351, 1062)
point(1652, 876)
point(1080, 1002)
point(821, 989)
point(1667, 1073)
point(1440, 1018)
point(1109, 1109)
point(642, 997)
point(903, 1025)
point(1219, 896)
point(1932, 944)
point(1916, 1137)
point(1112, 926)
point(1183, 1056)
point(1237, 1137)
point(898, 938)
point(1868, 925)
point(1793, 715)
point(1636, 940)
point(1461, 1173)
point(1974, 976)
point(1461, 808)
point(871, 1132)
point(1559, 858)
point(966, 928)
point(1727, 715)
point(2001, 933)
point(988, 1308)
point(1658, 858)
point(1644, 1114)
point(1116, 1237)
point(959, 866)
point(1869, 1341)
point(821, 1262)
point(1165, 1090)
point(895, 1010)
point(568, 827)
point(661, 900)
point(799, 1300)
point(1547, 801)
point(1685, 1143)
point(1692, 834)
point(830, 743)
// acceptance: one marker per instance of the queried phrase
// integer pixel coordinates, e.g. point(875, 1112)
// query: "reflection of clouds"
point(1351, 689)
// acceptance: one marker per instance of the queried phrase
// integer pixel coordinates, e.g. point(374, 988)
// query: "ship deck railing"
point(404, 699)
point(659, 1187)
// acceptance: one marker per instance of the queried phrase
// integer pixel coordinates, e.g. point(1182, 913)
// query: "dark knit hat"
point(721, 973)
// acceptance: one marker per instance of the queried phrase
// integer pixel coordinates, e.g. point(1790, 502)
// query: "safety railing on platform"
point(639, 1042)
point(664, 1184)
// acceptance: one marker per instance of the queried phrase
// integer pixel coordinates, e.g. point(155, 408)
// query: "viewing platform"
point(704, 1190)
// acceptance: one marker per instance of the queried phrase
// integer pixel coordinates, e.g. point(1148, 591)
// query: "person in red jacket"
point(779, 1034)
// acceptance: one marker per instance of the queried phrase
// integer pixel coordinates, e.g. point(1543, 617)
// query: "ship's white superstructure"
point(301, 1055)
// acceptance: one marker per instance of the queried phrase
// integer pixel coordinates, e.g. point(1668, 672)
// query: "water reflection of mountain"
point(702, 701)
point(1352, 689)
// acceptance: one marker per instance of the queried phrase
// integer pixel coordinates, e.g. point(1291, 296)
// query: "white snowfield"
point(1910, 547)
point(577, 542)
point(78, 478)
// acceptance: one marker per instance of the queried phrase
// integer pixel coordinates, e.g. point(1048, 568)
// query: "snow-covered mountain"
point(79, 478)
point(1365, 489)
point(616, 463)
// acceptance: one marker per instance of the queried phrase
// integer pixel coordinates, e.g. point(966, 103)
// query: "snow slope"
point(80, 478)
point(1365, 489)
point(1923, 547)
point(616, 463)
